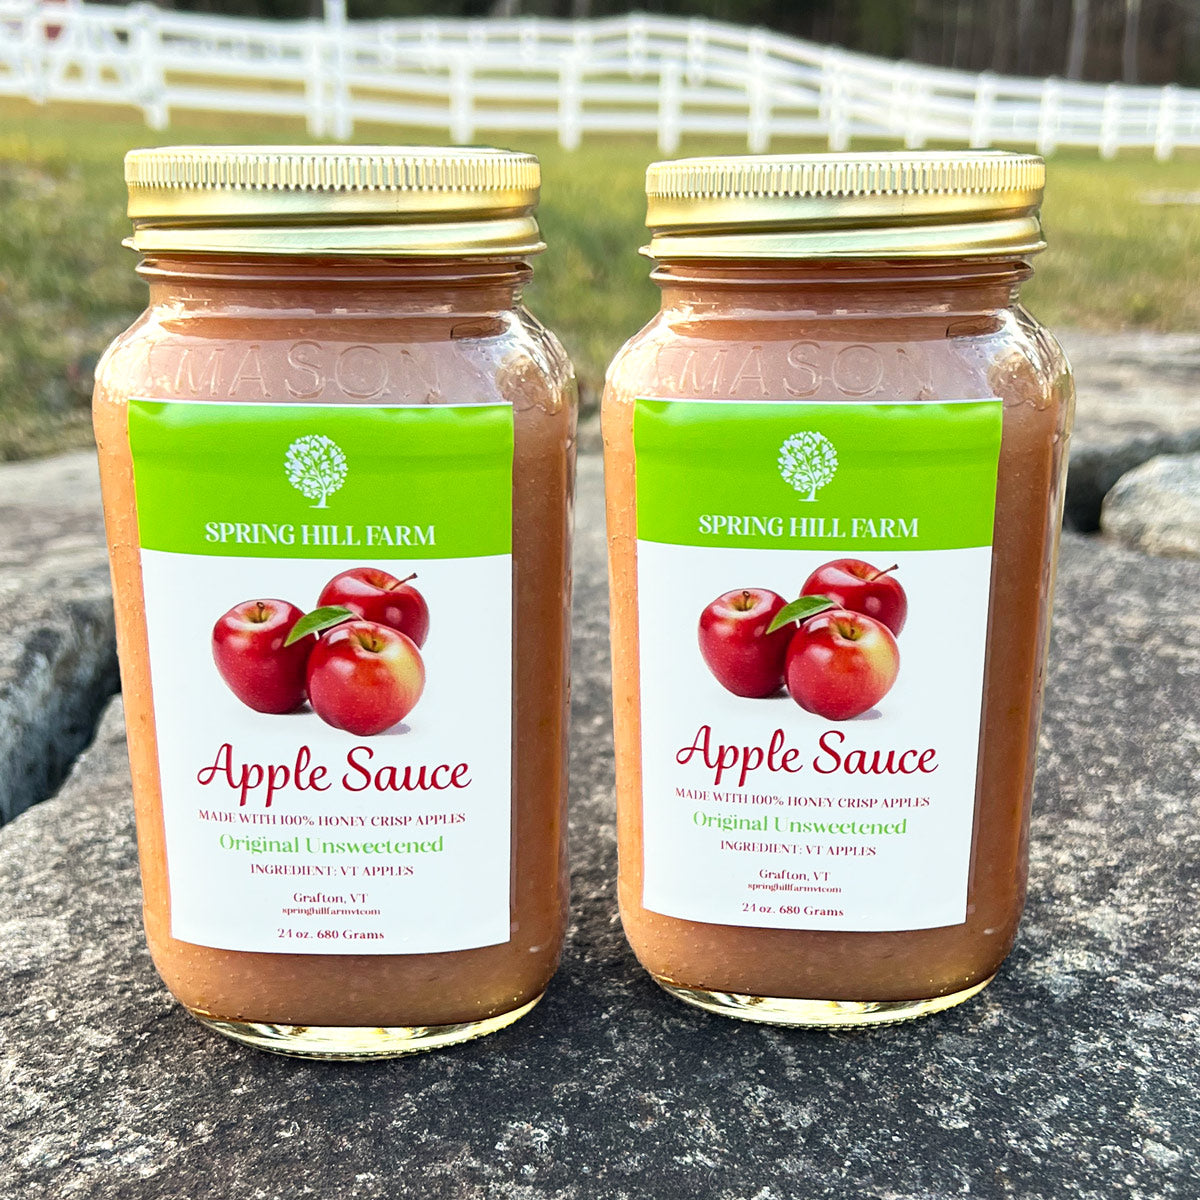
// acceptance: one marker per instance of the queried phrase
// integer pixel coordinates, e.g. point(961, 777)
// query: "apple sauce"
point(380, 287)
point(841, 283)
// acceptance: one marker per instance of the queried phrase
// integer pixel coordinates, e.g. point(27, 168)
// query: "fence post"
point(34, 67)
point(908, 97)
point(528, 39)
point(1164, 134)
point(581, 41)
point(462, 116)
point(833, 101)
point(1047, 136)
point(758, 132)
point(697, 48)
point(669, 100)
point(635, 45)
point(897, 95)
point(981, 113)
point(570, 72)
point(89, 46)
point(431, 36)
point(147, 58)
point(337, 35)
point(1110, 122)
point(314, 81)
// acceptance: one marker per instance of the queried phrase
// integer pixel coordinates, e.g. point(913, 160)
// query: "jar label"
point(821, 776)
point(350, 795)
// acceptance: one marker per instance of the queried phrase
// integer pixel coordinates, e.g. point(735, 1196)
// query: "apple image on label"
point(841, 663)
point(364, 677)
point(377, 596)
point(248, 648)
point(862, 588)
point(735, 645)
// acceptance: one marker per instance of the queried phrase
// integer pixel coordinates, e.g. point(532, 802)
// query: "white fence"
point(632, 74)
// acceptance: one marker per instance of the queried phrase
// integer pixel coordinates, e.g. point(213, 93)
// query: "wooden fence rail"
point(668, 77)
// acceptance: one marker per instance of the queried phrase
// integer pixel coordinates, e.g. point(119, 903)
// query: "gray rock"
point(1156, 507)
point(589, 439)
point(1073, 1076)
point(58, 662)
point(1139, 396)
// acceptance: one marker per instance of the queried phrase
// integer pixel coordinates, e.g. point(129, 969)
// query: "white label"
point(341, 863)
point(813, 843)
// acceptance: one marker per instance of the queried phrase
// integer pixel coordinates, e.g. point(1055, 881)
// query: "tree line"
point(1131, 41)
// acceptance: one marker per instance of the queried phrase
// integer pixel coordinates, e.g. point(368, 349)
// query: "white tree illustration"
point(316, 467)
point(807, 461)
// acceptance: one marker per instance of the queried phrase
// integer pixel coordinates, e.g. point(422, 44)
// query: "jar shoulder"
point(1045, 350)
point(634, 362)
point(119, 360)
point(794, 356)
point(436, 358)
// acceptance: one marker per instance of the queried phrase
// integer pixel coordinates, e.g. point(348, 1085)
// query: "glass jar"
point(337, 457)
point(834, 466)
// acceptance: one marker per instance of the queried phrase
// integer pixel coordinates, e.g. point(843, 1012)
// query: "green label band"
point(913, 476)
point(323, 481)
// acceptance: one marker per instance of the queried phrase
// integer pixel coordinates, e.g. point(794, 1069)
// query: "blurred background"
point(1137, 41)
point(1102, 87)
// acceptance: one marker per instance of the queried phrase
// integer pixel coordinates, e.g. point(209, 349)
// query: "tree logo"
point(808, 461)
point(316, 467)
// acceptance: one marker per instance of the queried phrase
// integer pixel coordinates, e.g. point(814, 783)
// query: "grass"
point(67, 287)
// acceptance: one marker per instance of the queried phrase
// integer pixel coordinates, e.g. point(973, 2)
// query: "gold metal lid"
point(888, 205)
point(410, 201)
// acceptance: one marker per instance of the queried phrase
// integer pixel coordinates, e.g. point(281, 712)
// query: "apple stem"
point(410, 578)
point(885, 571)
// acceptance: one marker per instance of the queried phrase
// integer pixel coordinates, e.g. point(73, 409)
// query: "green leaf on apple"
point(800, 610)
point(319, 619)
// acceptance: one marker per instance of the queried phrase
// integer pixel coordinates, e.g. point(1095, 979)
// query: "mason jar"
point(834, 465)
point(337, 462)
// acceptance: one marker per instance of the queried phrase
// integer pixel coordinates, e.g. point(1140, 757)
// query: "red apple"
point(377, 596)
point(735, 644)
point(840, 663)
point(364, 677)
point(247, 646)
point(862, 588)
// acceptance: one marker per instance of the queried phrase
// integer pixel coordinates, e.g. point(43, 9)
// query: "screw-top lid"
point(898, 205)
point(413, 201)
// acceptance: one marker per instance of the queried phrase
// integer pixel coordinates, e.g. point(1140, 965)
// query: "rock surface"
point(1073, 1075)
point(1156, 507)
point(1139, 396)
point(58, 663)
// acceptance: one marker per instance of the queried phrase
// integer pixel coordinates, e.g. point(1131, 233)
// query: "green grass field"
point(67, 286)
